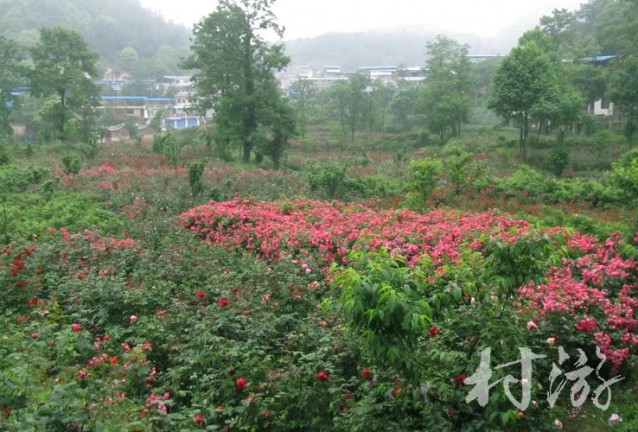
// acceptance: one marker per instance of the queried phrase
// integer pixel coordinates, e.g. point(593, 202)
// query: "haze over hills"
point(130, 37)
point(109, 27)
point(405, 46)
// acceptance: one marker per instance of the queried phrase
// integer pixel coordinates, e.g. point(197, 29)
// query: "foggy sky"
point(309, 18)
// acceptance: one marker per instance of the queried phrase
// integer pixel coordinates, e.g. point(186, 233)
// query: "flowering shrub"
point(326, 232)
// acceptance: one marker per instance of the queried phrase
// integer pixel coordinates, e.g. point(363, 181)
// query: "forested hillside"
point(391, 47)
point(122, 32)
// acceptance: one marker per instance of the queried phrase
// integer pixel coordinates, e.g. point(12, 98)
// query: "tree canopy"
point(235, 70)
point(10, 78)
point(64, 67)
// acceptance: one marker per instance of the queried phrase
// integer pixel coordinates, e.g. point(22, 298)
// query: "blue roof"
point(597, 59)
point(143, 98)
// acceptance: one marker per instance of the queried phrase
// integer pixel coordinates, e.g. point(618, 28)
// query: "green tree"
point(402, 107)
point(624, 93)
point(10, 78)
point(302, 92)
point(235, 68)
point(521, 81)
point(383, 94)
point(280, 126)
point(447, 95)
point(64, 66)
point(350, 101)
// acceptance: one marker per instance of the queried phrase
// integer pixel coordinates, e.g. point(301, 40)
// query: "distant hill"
point(390, 47)
point(108, 26)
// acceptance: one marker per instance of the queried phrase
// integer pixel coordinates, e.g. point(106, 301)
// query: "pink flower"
point(132, 318)
point(586, 324)
point(75, 327)
point(531, 325)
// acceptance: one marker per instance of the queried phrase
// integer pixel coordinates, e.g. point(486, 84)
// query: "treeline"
point(124, 34)
point(546, 85)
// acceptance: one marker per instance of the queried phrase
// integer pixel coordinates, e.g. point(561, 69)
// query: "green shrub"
point(30, 213)
point(424, 177)
point(71, 164)
point(624, 177)
point(14, 178)
point(558, 160)
point(329, 178)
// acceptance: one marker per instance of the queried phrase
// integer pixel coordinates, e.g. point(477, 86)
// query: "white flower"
point(558, 424)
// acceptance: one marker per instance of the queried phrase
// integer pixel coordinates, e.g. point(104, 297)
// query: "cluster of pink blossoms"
point(595, 286)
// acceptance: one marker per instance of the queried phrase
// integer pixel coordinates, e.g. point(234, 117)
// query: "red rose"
point(35, 335)
point(113, 360)
point(323, 375)
point(201, 294)
point(266, 413)
point(395, 391)
point(241, 382)
point(347, 395)
point(459, 380)
point(223, 302)
point(75, 327)
point(434, 330)
point(199, 418)
point(366, 373)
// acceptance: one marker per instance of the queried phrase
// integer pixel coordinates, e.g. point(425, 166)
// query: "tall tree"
point(447, 95)
point(235, 68)
point(351, 102)
point(10, 78)
point(624, 93)
point(521, 81)
point(64, 66)
point(301, 95)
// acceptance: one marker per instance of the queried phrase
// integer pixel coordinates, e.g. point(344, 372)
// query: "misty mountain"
point(108, 26)
point(389, 47)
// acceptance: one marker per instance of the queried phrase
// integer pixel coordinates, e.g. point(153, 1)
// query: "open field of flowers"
point(263, 309)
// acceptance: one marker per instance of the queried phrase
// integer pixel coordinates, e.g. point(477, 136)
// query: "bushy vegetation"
point(346, 260)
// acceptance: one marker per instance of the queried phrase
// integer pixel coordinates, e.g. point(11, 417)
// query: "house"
point(182, 122)
point(601, 107)
point(125, 107)
point(174, 81)
point(116, 133)
point(137, 108)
